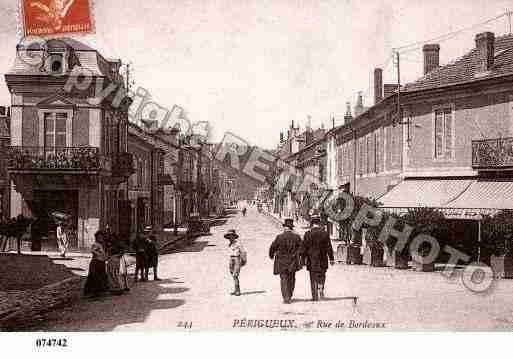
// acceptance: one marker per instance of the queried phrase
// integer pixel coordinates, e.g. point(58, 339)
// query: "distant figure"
point(237, 258)
point(140, 257)
point(316, 252)
point(244, 211)
point(152, 254)
point(286, 252)
point(97, 282)
point(62, 239)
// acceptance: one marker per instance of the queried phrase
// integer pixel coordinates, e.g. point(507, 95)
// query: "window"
point(377, 151)
point(371, 155)
point(141, 174)
point(55, 129)
point(55, 63)
point(340, 160)
point(443, 136)
point(393, 143)
point(348, 149)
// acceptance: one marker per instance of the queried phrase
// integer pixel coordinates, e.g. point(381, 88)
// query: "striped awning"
point(424, 193)
point(462, 199)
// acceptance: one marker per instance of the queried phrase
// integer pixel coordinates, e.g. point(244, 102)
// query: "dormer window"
point(55, 63)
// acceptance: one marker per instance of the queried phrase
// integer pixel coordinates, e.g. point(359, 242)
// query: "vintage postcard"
point(255, 166)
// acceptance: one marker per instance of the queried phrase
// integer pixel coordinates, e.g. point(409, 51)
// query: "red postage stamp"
point(53, 17)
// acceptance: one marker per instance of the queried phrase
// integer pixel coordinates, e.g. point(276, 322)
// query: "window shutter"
point(448, 132)
point(376, 151)
point(439, 130)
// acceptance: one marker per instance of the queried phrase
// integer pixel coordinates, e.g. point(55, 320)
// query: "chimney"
point(348, 117)
point(431, 57)
point(309, 138)
point(378, 85)
point(389, 89)
point(485, 50)
point(358, 109)
point(281, 137)
point(3, 111)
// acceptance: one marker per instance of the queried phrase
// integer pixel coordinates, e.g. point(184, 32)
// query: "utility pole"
point(509, 20)
point(398, 87)
point(128, 77)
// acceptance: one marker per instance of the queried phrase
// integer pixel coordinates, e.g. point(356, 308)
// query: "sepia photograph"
point(245, 166)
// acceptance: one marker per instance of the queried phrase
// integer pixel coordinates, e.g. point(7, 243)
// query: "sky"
point(252, 66)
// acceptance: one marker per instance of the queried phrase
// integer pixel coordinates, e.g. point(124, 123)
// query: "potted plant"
point(497, 236)
point(354, 249)
point(374, 253)
point(425, 221)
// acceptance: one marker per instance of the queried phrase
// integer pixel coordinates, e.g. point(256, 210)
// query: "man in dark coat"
point(152, 255)
point(285, 250)
point(140, 257)
point(316, 251)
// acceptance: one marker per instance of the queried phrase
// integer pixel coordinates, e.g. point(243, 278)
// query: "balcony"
point(123, 165)
point(69, 159)
point(493, 154)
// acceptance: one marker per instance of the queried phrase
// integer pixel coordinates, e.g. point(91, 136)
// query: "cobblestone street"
point(196, 285)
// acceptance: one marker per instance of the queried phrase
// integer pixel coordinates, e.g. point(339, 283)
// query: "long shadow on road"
point(196, 246)
point(110, 312)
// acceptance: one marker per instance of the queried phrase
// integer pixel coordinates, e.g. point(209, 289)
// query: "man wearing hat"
point(286, 250)
point(152, 253)
point(237, 258)
point(316, 252)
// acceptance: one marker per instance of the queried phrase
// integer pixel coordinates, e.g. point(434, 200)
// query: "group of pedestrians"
point(108, 269)
point(290, 255)
point(146, 256)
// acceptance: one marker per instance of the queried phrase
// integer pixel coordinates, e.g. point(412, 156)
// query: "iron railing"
point(54, 158)
point(492, 153)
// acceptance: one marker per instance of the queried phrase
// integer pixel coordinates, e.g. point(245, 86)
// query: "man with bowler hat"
point(316, 251)
point(285, 250)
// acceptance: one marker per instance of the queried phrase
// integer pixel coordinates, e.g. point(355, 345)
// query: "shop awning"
point(484, 197)
point(424, 193)
point(462, 199)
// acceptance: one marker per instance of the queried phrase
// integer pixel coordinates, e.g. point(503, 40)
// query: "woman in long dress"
point(114, 264)
point(97, 282)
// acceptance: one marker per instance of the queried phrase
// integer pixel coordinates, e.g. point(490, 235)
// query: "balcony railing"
point(493, 154)
point(123, 165)
point(54, 158)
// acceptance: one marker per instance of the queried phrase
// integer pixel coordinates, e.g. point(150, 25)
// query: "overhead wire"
point(417, 45)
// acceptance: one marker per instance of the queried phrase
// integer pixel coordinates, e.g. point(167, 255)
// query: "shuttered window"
point(443, 133)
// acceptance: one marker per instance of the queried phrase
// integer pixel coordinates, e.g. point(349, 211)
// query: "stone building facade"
point(444, 143)
point(5, 139)
point(68, 148)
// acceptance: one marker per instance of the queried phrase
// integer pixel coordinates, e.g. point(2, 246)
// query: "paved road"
point(196, 287)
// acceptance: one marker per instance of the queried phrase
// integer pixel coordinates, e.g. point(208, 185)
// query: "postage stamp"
point(53, 17)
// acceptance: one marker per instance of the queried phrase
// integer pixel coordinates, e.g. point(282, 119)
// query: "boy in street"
point(237, 259)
